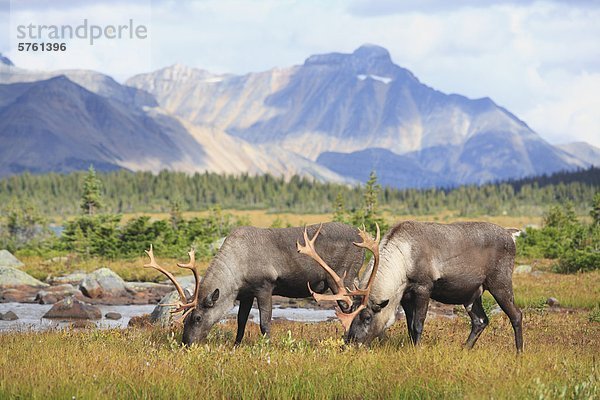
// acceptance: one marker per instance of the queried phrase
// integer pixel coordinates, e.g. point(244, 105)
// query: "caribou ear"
point(210, 300)
point(378, 307)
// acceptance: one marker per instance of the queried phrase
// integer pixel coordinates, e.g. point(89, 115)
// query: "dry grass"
point(307, 361)
point(264, 218)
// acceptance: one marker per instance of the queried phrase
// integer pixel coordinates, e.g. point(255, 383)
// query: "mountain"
point(57, 125)
point(86, 118)
point(336, 106)
point(95, 82)
point(335, 118)
point(582, 150)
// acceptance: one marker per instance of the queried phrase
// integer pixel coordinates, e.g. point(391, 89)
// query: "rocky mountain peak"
point(365, 57)
point(367, 61)
point(372, 52)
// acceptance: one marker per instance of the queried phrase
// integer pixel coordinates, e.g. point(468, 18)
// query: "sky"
point(538, 59)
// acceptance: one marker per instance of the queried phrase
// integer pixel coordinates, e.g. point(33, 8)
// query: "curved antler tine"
point(192, 266)
point(154, 264)
point(309, 250)
point(347, 318)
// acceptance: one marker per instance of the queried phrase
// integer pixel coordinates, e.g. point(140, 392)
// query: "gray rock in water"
point(8, 260)
point(147, 286)
point(11, 277)
point(523, 269)
point(161, 315)
point(113, 315)
point(55, 293)
point(552, 302)
point(103, 283)
point(8, 316)
point(71, 308)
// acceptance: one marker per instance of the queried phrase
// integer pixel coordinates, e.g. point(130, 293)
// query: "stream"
point(31, 316)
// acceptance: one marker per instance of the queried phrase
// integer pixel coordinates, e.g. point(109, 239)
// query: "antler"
point(373, 246)
point(183, 304)
point(309, 249)
point(343, 293)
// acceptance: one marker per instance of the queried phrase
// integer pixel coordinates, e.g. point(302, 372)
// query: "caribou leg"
point(421, 304)
point(408, 305)
point(478, 321)
point(242, 318)
point(505, 299)
point(265, 309)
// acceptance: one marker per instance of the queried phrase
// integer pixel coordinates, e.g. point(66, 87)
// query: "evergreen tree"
point(91, 200)
point(175, 215)
point(340, 214)
point(595, 212)
point(368, 215)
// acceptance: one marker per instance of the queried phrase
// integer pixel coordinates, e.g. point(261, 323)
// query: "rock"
point(140, 321)
point(8, 316)
point(82, 324)
point(74, 279)
point(56, 293)
point(113, 315)
point(103, 283)
point(149, 292)
point(12, 277)
point(8, 260)
point(71, 308)
point(18, 294)
point(523, 269)
point(161, 315)
point(552, 302)
point(90, 288)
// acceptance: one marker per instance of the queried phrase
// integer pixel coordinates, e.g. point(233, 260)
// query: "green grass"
point(579, 290)
point(307, 361)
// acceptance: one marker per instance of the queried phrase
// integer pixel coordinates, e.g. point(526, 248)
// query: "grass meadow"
point(309, 361)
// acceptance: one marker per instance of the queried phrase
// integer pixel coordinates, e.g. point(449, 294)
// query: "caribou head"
point(352, 303)
point(196, 317)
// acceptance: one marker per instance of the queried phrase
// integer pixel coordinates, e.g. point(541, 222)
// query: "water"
point(30, 316)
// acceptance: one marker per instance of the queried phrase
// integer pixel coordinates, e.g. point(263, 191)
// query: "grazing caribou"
point(418, 261)
point(259, 263)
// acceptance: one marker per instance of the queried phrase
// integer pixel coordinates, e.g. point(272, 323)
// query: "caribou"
point(259, 263)
point(418, 261)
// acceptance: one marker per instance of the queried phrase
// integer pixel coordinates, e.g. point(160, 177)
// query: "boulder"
point(140, 321)
point(113, 315)
point(523, 269)
point(552, 302)
point(8, 260)
point(8, 316)
point(161, 315)
point(71, 308)
point(53, 294)
point(12, 277)
point(103, 283)
point(74, 279)
point(18, 294)
point(148, 292)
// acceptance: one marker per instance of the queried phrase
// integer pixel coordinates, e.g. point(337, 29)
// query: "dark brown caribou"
point(259, 263)
point(417, 261)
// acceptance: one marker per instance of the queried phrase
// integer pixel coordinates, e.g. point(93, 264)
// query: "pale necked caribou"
point(416, 261)
point(259, 263)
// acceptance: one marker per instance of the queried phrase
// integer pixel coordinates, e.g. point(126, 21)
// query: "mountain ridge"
point(332, 118)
